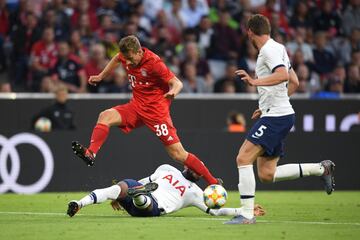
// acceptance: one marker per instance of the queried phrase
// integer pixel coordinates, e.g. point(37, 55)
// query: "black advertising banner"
point(33, 162)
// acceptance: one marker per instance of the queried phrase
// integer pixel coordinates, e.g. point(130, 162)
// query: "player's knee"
point(108, 117)
point(241, 160)
point(266, 177)
point(123, 192)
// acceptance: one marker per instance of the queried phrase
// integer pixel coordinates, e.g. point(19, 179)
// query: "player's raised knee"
point(241, 160)
point(109, 117)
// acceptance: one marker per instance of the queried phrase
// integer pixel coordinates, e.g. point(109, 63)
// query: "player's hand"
point(170, 95)
point(256, 114)
point(245, 77)
point(94, 80)
point(259, 210)
point(115, 205)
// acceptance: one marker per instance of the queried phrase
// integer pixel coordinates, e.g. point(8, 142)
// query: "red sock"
point(199, 168)
point(98, 137)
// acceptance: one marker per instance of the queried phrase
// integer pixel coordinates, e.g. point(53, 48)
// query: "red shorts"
point(131, 119)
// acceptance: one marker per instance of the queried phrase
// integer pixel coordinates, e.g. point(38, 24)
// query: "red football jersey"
point(149, 82)
point(46, 55)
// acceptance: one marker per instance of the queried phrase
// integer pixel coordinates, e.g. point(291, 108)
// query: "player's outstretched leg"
point(141, 190)
point(82, 152)
point(325, 170)
point(73, 208)
point(328, 176)
point(240, 219)
point(96, 196)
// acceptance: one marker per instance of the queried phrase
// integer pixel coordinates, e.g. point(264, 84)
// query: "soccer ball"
point(215, 196)
point(43, 124)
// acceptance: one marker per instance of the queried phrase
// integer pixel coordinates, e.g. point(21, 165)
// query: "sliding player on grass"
point(154, 86)
point(165, 191)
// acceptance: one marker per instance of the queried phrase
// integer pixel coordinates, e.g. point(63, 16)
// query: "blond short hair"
point(129, 44)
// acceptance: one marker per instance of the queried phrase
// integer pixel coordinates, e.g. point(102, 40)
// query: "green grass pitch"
point(290, 215)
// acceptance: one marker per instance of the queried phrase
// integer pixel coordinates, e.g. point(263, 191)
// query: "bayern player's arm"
point(293, 82)
point(175, 86)
point(109, 68)
point(164, 74)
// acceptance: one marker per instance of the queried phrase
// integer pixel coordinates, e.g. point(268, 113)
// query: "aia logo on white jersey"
point(175, 184)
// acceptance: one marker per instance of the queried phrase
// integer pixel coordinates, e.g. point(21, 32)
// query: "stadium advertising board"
point(32, 162)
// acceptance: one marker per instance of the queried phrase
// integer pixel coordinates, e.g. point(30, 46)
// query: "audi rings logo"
point(9, 151)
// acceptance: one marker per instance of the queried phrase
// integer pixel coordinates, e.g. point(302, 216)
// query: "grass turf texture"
point(290, 215)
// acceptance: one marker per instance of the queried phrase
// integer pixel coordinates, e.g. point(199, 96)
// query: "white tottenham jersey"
point(174, 191)
point(273, 100)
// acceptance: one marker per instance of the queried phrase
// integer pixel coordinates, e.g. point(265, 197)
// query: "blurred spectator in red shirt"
point(83, 7)
point(23, 37)
point(43, 55)
point(78, 47)
point(96, 63)
point(163, 22)
point(273, 15)
point(4, 30)
point(87, 35)
point(105, 27)
point(175, 16)
point(4, 19)
point(163, 46)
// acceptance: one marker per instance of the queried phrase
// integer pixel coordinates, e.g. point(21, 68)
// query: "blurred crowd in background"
point(44, 43)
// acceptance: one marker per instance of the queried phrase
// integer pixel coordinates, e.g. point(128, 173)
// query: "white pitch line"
point(193, 218)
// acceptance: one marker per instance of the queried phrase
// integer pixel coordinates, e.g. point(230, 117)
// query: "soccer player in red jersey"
point(154, 87)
